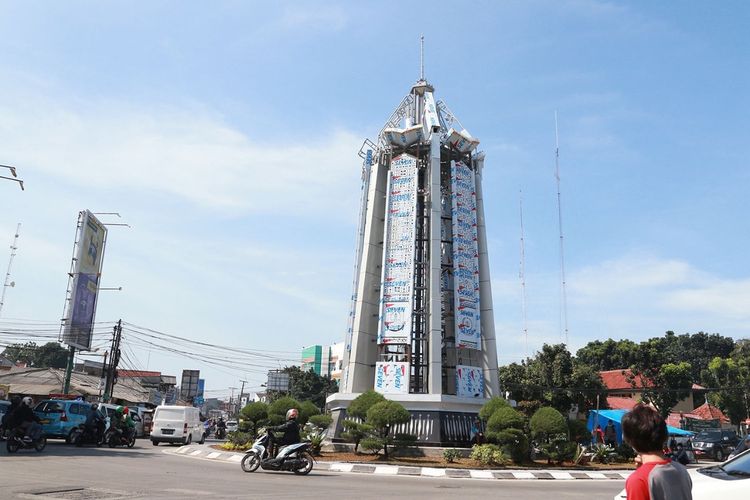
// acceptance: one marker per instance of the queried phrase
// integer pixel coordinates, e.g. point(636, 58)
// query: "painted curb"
point(435, 472)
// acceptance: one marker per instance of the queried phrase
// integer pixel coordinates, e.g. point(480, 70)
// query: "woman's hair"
point(644, 429)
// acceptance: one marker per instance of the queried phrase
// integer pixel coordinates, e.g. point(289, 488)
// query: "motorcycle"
point(221, 433)
point(115, 437)
point(17, 441)
point(83, 435)
point(294, 457)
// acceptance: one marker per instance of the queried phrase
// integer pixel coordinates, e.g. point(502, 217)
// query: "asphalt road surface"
point(146, 471)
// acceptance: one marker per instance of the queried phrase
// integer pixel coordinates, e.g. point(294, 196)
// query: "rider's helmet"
point(119, 410)
point(292, 414)
point(27, 401)
point(126, 410)
point(94, 406)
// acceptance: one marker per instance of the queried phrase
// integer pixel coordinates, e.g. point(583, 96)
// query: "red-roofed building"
point(624, 394)
point(710, 412)
point(137, 373)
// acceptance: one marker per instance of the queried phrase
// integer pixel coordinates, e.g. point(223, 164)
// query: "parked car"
point(727, 481)
point(716, 444)
point(4, 406)
point(744, 445)
point(232, 426)
point(177, 424)
point(60, 417)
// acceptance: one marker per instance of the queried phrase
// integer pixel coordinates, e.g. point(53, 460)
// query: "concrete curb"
point(401, 470)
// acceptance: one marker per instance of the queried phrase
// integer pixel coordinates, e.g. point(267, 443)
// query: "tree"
point(49, 355)
point(733, 380)
point(383, 416)
point(491, 406)
point(255, 415)
point(505, 418)
point(547, 422)
point(360, 405)
point(279, 407)
point(608, 355)
point(307, 386)
point(663, 386)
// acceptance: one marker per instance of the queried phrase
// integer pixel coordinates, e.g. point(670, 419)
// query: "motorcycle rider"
point(291, 433)
point(128, 427)
point(25, 419)
point(94, 422)
point(221, 428)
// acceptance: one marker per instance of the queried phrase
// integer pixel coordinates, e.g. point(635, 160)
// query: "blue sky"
point(226, 135)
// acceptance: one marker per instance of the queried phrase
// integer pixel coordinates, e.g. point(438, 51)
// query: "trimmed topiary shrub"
point(362, 403)
point(547, 422)
point(505, 418)
point(514, 443)
point(383, 416)
point(451, 455)
point(491, 407)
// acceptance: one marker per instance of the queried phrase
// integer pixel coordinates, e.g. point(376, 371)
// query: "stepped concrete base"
point(436, 419)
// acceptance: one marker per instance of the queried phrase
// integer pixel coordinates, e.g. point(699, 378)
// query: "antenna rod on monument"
point(8, 282)
point(563, 292)
point(522, 275)
point(421, 57)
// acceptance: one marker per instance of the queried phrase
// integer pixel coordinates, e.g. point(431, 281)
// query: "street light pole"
point(14, 174)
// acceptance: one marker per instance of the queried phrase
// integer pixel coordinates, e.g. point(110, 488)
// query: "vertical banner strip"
point(397, 289)
point(465, 257)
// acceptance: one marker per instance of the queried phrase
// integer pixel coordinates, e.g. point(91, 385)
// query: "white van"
point(176, 424)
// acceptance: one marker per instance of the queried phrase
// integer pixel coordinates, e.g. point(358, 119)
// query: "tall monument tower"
point(421, 329)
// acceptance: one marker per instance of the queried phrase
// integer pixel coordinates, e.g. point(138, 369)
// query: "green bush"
point(403, 441)
point(491, 406)
point(306, 410)
point(626, 452)
point(513, 442)
point(240, 438)
point(488, 454)
point(528, 408)
point(505, 418)
point(383, 416)
point(282, 405)
point(373, 444)
point(451, 454)
point(275, 420)
point(355, 432)
point(547, 422)
point(321, 421)
point(578, 431)
point(558, 449)
point(361, 404)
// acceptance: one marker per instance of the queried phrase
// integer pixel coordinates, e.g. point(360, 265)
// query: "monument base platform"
point(436, 419)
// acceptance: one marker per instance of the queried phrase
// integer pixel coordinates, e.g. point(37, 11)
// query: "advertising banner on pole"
point(398, 258)
point(469, 381)
point(81, 308)
point(392, 377)
point(189, 384)
point(465, 257)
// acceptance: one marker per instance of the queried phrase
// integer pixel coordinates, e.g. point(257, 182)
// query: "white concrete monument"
point(421, 327)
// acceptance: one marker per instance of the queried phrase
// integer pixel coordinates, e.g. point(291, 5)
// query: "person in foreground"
point(657, 478)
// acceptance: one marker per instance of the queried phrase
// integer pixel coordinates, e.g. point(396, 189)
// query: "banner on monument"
point(398, 257)
point(469, 381)
point(465, 257)
point(392, 377)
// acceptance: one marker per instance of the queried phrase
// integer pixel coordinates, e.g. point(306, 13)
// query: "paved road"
point(147, 472)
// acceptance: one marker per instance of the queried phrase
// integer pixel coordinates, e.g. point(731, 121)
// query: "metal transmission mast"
point(563, 290)
point(8, 283)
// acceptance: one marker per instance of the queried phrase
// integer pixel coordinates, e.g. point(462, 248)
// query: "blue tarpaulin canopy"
point(602, 417)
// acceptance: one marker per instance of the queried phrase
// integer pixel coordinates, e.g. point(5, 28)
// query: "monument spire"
point(421, 57)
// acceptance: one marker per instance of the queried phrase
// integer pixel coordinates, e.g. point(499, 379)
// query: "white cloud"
point(183, 152)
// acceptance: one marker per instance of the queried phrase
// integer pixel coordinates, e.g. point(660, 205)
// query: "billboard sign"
point(469, 381)
point(189, 384)
point(465, 257)
point(398, 257)
point(392, 377)
point(201, 386)
point(87, 267)
point(277, 381)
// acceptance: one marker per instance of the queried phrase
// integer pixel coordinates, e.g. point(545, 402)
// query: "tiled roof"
point(618, 380)
point(710, 412)
point(137, 373)
point(616, 403)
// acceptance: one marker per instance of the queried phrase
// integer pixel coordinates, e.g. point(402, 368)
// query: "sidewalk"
point(206, 453)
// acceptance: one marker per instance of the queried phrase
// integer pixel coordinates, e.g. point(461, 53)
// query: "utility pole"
point(8, 282)
point(242, 391)
point(114, 359)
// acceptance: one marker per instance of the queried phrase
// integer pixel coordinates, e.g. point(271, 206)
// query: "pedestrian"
point(610, 435)
point(597, 435)
point(658, 478)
